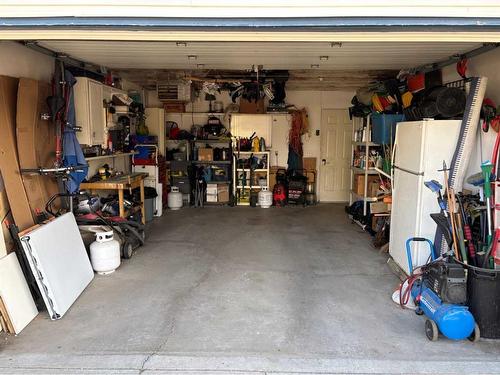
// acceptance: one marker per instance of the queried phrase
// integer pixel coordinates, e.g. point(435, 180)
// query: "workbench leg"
point(143, 205)
point(120, 203)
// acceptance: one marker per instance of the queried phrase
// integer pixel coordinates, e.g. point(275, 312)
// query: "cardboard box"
point(311, 175)
point(174, 107)
point(378, 207)
point(373, 188)
point(252, 107)
point(211, 198)
point(205, 154)
point(309, 164)
point(223, 193)
point(358, 185)
point(212, 189)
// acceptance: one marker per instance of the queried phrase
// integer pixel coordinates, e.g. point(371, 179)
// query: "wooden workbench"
point(120, 183)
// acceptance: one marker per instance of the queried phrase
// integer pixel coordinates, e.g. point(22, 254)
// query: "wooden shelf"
point(252, 152)
point(218, 182)
point(248, 170)
point(371, 144)
point(197, 113)
point(228, 140)
point(123, 154)
point(366, 199)
point(361, 170)
point(212, 162)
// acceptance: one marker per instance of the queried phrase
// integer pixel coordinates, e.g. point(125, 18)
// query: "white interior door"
point(336, 129)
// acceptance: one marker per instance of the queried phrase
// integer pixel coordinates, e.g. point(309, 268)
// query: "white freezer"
point(419, 151)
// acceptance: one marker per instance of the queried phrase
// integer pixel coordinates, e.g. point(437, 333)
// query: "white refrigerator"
point(419, 150)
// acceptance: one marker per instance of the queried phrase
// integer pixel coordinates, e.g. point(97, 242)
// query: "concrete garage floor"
point(246, 291)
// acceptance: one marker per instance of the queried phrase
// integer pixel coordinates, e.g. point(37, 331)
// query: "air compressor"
point(439, 292)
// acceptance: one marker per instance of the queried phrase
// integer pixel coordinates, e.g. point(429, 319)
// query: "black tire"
point(127, 250)
point(431, 330)
point(476, 334)
point(133, 232)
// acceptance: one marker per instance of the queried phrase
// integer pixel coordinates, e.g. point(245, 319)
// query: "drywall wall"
point(18, 61)
point(485, 65)
point(313, 101)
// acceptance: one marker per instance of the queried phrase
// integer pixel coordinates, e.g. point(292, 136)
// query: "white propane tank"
point(105, 253)
point(265, 198)
point(174, 198)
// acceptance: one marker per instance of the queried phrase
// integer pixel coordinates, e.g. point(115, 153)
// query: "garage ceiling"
point(312, 65)
point(272, 55)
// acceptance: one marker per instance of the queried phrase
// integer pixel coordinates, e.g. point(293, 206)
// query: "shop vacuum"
point(439, 291)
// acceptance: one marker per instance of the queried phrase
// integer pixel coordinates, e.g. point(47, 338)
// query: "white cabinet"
point(90, 113)
point(155, 121)
point(244, 125)
point(280, 130)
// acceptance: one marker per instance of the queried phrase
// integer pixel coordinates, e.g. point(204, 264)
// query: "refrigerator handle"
point(393, 156)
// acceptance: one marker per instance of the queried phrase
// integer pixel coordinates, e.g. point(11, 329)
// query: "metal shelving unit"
point(369, 171)
point(226, 164)
point(239, 189)
point(357, 123)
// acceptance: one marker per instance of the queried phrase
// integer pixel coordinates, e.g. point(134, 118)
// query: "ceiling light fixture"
point(181, 44)
point(192, 57)
point(324, 58)
point(314, 66)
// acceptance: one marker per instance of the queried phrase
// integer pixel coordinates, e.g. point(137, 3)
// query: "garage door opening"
point(183, 144)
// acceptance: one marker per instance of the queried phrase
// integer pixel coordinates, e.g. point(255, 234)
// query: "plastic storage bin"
point(384, 127)
point(149, 208)
point(483, 289)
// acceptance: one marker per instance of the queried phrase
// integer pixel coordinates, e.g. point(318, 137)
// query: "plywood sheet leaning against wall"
point(6, 243)
point(17, 307)
point(9, 164)
point(35, 141)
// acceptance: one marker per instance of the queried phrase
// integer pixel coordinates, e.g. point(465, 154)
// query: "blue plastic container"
point(384, 127)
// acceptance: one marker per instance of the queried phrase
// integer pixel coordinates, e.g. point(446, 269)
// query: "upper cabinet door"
point(244, 125)
point(97, 113)
point(81, 91)
point(89, 110)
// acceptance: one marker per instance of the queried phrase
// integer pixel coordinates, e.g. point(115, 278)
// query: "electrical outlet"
point(317, 132)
